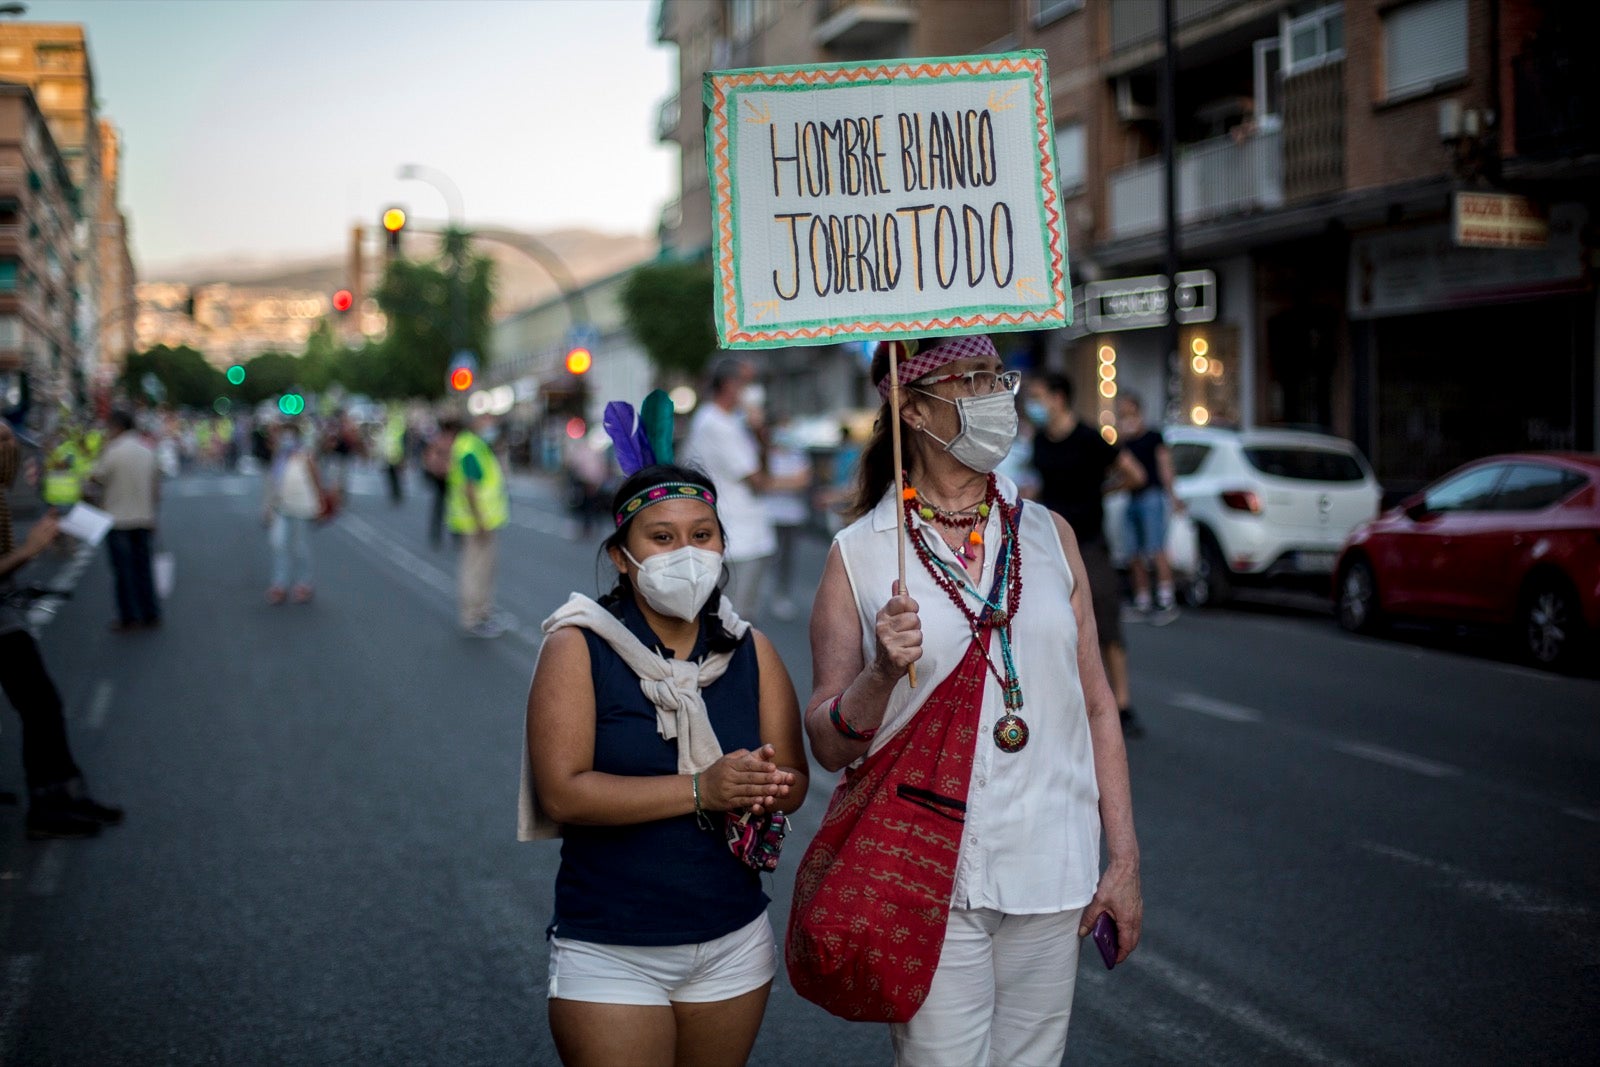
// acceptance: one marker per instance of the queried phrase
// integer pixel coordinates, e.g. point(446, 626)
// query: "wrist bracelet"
point(835, 717)
point(699, 815)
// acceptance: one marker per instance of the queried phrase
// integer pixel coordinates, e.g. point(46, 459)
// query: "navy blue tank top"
point(667, 882)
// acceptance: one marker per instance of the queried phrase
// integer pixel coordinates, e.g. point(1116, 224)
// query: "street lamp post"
point(455, 244)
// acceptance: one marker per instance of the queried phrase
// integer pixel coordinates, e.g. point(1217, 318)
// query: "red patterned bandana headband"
point(973, 346)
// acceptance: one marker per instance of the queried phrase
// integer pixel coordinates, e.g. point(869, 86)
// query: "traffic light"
point(579, 360)
point(394, 221)
point(462, 373)
point(343, 301)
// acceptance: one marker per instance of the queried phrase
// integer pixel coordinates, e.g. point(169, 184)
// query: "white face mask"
point(988, 427)
point(753, 397)
point(678, 583)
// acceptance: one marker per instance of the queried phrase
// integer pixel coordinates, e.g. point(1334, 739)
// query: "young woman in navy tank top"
point(661, 951)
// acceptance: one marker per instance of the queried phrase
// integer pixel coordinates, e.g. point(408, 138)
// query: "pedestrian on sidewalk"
point(722, 444)
point(1076, 468)
point(294, 501)
point(977, 789)
point(59, 805)
point(1148, 507)
point(662, 734)
point(129, 482)
point(478, 503)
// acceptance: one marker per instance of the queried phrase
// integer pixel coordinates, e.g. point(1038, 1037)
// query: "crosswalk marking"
point(1219, 709)
point(1400, 760)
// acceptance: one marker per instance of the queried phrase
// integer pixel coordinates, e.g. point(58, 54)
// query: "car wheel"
point(1210, 584)
point(1358, 598)
point(1550, 623)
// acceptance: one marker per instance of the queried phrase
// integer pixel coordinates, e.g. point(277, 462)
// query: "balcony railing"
point(1215, 178)
point(667, 118)
point(862, 23)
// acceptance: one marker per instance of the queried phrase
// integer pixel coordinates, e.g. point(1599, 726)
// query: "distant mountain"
point(520, 282)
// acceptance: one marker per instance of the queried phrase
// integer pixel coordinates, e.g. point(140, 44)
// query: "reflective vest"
point(494, 504)
point(63, 476)
point(394, 440)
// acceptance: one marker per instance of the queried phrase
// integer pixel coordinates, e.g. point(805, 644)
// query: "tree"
point(185, 378)
point(668, 308)
point(422, 309)
point(269, 375)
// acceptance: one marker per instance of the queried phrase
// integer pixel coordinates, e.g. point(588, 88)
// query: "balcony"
point(1216, 178)
point(858, 24)
point(667, 119)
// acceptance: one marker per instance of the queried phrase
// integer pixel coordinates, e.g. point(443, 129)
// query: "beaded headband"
point(919, 364)
point(665, 491)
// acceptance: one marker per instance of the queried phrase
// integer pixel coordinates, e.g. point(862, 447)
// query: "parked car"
point(1507, 540)
point(1268, 505)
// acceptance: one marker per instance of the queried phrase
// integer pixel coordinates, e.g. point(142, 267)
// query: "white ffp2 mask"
point(678, 583)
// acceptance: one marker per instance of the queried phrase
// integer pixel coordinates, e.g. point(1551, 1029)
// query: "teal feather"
point(655, 416)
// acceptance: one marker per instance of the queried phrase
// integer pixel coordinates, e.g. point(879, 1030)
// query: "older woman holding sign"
point(959, 862)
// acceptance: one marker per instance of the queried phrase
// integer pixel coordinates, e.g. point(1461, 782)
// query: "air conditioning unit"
point(1130, 108)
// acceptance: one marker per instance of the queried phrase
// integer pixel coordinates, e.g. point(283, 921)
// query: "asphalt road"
point(1355, 850)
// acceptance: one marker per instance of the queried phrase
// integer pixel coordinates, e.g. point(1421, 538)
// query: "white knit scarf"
point(672, 685)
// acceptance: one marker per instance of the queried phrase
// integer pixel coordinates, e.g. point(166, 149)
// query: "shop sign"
point(1140, 303)
point(1403, 272)
point(896, 198)
point(1499, 220)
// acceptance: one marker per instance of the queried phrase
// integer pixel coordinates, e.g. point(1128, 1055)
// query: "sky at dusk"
point(261, 129)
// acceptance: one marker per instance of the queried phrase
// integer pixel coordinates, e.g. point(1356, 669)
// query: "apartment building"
point(1387, 208)
point(118, 304)
point(37, 264)
point(52, 59)
point(228, 323)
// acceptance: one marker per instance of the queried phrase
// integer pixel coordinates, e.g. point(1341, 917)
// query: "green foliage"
point(185, 376)
point(268, 375)
point(668, 306)
point(422, 308)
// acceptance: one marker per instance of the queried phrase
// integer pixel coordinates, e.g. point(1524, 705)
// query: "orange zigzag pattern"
point(723, 181)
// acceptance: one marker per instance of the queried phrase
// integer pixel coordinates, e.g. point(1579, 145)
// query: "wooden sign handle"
point(895, 348)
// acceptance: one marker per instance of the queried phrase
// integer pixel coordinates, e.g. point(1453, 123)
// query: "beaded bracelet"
point(699, 815)
point(835, 717)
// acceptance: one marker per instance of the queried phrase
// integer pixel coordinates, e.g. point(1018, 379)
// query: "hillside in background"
point(520, 282)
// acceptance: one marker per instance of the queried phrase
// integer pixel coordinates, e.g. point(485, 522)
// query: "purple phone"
point(1105, 936)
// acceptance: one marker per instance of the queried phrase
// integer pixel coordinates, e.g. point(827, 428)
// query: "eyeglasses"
point(979, 382)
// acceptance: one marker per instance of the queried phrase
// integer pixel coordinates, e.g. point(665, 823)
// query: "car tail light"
point(1242, 500)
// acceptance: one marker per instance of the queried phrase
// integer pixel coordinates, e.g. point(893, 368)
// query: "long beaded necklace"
point(1011, 731)
point(968, 519)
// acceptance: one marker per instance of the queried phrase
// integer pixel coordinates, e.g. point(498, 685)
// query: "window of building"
point(1312, 40)
point(11, 55)
point(1049, 10)
point(8, 275)
point(10, 332)
point(1424, 46)
point(1070, 161)
point(53, 56)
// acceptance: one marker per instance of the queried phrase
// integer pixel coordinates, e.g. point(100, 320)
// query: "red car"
point(1507, 540)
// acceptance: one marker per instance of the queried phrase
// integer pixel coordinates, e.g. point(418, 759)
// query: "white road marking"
point(1508, 896)
point(99, 705)
point(1586, 814)
point(1202, 992)
point(46, 878)
point(1219, 709)
point(16, 983)
point(1400, 760)
point(401, 557)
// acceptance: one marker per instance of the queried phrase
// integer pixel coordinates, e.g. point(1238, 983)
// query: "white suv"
point(1267, 504)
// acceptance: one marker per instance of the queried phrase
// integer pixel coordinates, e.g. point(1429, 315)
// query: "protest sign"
point(888, 199)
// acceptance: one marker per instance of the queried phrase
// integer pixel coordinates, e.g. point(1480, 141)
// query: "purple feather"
point(633, 448)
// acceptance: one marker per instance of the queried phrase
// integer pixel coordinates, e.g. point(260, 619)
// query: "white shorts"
point(720, 969)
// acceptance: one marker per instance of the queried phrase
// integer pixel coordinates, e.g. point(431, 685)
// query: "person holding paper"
point(130, 486)
point(59, 805)
point(1006, 732)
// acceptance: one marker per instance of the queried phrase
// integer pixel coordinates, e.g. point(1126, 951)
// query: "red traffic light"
point(343, 300)
point(579, 361)
point(461, 379)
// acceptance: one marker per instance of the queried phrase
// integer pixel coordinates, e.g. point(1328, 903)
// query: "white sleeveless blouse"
point(1032, 838)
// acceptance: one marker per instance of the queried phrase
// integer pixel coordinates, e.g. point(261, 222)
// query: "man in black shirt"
point(1076, 468)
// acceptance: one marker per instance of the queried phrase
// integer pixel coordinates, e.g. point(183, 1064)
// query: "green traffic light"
point(291, 403)
point(236, 374)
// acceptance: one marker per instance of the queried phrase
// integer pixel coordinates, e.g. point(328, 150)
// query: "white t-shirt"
point(720, 444)
point(1032, 837)
point(127, 471)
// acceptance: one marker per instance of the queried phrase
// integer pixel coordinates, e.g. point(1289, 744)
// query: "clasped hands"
point(744, 779)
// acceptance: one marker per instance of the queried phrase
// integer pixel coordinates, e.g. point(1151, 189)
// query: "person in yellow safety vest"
point(64, 473)
point(394, 452)
point(476, 505)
